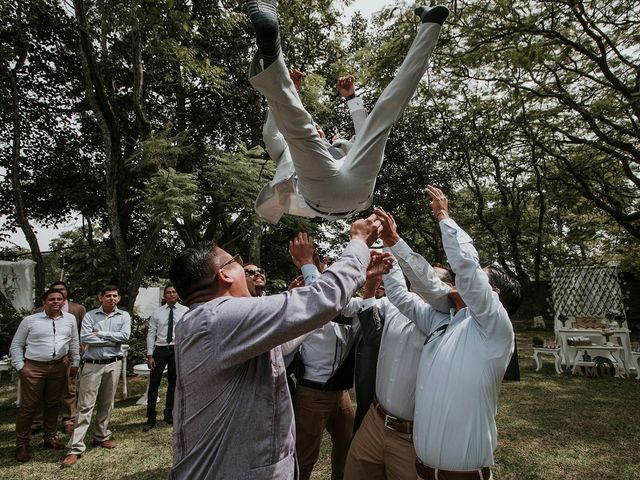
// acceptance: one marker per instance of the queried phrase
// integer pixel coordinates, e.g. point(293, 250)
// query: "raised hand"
point(297, 282)
point(365, 229)
point(380, 264)
point(389, 231)
point(346, 86)
point(301, 250)
point(439, 202)
point(296, 78)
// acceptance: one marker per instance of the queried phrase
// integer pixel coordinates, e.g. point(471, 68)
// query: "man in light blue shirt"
point(464, 356)
point(103, 331)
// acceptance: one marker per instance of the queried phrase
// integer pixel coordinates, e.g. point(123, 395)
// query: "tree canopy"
point(138, 118)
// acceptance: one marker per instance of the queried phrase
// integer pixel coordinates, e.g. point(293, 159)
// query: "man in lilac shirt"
point(233, 417)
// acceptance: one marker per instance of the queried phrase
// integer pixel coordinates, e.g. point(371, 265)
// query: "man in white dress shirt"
point(464, 356)
point(42, 347)
point(160, 354)
point(322, 398)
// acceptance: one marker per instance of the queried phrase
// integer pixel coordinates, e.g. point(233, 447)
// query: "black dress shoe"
point(437, 14)
point(149, 425)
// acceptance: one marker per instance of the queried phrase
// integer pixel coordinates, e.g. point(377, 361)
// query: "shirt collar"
point(115, 311)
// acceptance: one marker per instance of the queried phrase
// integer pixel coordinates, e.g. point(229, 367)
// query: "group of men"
point(426, 361)
point(46, 351)
point(441, 352)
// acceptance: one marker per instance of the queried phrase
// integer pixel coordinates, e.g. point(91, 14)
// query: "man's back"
point(231, 418)
point(233, 414)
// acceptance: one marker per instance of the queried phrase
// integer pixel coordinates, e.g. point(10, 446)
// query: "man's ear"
point(224, 278)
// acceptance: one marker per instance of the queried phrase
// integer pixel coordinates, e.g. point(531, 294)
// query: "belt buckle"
point(388, 417)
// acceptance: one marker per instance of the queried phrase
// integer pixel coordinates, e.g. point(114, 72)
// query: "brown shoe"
point(22, 453)
point(68, 428)
point(70, 460)
point(53, 443)
point(105, 444)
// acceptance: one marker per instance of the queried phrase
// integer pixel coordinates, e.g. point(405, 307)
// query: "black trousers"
point(164, 357)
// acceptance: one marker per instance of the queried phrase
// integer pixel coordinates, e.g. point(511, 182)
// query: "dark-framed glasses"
point(236, 258)
point(250, 272)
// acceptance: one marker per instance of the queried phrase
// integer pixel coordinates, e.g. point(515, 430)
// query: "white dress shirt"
point(323, 349)
point(461, 367)
point(400, 346)
point(42, 338)
point(159, 323)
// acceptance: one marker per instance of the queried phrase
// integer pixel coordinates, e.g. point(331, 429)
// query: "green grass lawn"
point(549, 427)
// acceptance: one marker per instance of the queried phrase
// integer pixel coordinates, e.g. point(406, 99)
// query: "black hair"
point(110, 288)
point(193, 268)
point(59, 282)
point(445, 273)
point(510, 288)
point(168, 285)
point(46, 294)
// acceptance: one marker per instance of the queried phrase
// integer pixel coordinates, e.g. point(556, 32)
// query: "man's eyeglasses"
point(250, 272)
point(236, 258)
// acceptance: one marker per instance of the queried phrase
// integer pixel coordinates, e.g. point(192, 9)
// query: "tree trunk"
point(21, 211)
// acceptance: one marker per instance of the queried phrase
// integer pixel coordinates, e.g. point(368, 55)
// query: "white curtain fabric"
point(16, 283)
point(147, 301)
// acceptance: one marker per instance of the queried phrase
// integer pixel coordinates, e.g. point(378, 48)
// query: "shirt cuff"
point(368, 303)
point(355, 104)
point(309, 272)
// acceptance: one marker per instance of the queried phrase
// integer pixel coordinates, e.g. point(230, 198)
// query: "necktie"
point(170, 326)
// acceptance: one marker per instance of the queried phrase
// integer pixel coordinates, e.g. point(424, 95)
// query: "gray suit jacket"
point(233, 417)
point(281, 194)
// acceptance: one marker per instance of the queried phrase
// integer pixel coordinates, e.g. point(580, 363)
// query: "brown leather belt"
point(48, 362)
point(392, 422)
point(428, 473)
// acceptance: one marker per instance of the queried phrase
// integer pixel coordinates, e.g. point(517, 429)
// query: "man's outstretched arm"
point(424, 280)
point(346, 87)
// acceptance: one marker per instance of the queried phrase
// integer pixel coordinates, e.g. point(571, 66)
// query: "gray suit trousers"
point(347, 184)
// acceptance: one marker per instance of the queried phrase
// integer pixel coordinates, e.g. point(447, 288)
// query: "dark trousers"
point(164, 357)
point(41, 384)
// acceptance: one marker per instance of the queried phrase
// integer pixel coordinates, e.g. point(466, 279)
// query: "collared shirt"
point(231, 376)
point(461, 367)
point(398, 358)
point(113, 330)
point(323, 349)
point(42, 338)
point(159, 323)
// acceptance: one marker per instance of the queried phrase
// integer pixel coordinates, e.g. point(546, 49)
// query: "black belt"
point(429, 473)
point(334, 214)
point(104, 361)
point(317, 385)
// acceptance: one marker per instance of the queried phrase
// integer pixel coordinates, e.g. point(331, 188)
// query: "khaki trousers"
point(98, 384)
point(41, 385)
point(378, 452)
point(314, 411)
